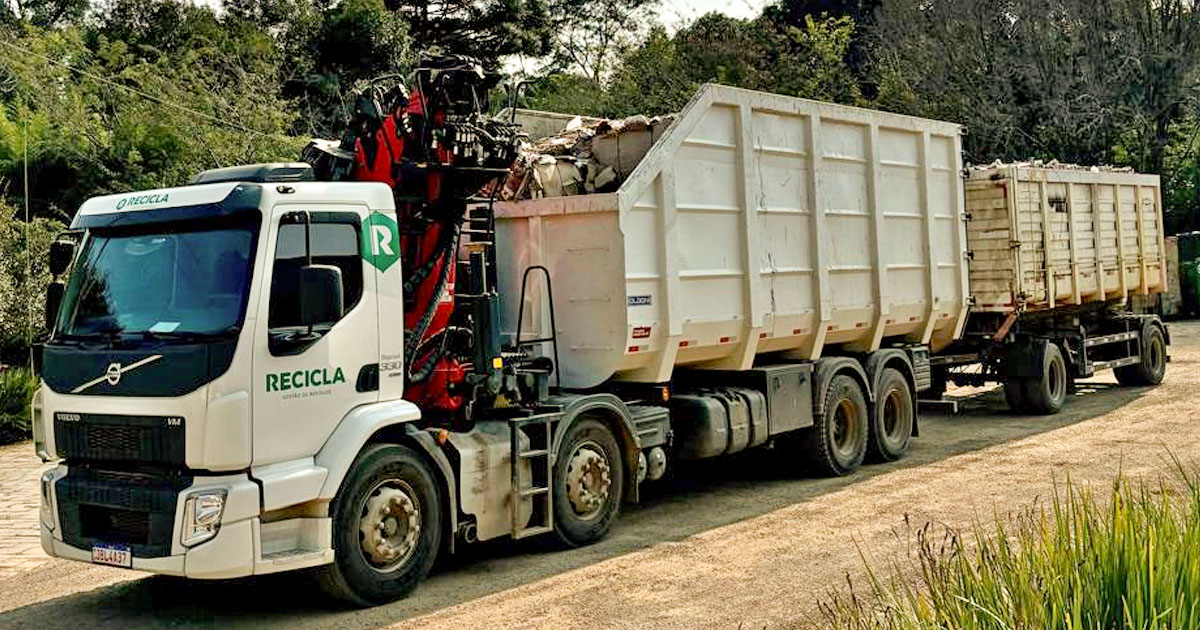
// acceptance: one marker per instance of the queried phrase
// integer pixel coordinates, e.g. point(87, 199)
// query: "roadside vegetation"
point(16, 390)
point(100, 97)
point(1124, 559)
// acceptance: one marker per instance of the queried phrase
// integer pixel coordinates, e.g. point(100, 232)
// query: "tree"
point(145, 114)
point(650, 79)
point(1073, 80)
point(24, 249)
point(42, 13)
point(589, 35)
point(484, 29)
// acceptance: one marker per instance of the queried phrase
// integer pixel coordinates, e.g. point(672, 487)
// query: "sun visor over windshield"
point(168, 205)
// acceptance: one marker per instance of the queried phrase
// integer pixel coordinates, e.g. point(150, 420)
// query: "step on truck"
point(356, 364)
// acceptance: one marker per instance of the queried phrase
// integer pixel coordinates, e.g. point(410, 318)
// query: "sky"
point(674, 12)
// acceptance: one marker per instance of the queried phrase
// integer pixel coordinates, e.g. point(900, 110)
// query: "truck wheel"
point(892, 421)
point(589, 480)
point(1015, 396)
point(837, 442)
point(1153, 365)
point(387, 527)
point(1048, 394)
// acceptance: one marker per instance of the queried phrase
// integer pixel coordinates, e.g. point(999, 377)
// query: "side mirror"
point(62, 252)
point(320, 294)
point(54, 298)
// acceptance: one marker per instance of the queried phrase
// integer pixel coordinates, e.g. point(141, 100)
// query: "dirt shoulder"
point(733, 546)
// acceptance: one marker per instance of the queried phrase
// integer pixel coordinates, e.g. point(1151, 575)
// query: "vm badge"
point(380, 241)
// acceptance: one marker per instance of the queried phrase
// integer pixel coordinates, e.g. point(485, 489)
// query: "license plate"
point(115, 555)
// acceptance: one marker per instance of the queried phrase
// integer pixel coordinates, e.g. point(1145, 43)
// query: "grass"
point(16, 392)
point(1131, 562)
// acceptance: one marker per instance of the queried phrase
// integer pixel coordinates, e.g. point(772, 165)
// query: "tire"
point(1048, 394)
point(1015, 395)
point(586, 503)
point(892, 420)
point(384, 478)
point(837, 442)
point(1153, 365)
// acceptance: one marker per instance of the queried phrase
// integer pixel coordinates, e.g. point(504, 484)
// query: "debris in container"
point(585, 157)
point(1054, 164)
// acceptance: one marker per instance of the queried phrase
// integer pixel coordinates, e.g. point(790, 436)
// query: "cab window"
point(331, 238)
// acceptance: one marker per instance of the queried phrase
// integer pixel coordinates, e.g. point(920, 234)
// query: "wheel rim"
point(895, 414)
point(846, 429)
point(589, 480)
point(389, 525)
point(1057, 377)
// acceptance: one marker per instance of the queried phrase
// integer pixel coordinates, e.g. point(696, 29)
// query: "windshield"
point(167, 282)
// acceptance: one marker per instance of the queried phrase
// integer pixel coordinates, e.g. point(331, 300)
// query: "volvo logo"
point(112, 375)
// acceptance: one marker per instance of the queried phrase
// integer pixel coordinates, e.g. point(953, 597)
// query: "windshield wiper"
point(80, 338)
point(185, 335)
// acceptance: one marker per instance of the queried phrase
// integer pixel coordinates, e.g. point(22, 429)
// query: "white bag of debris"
point(588, 156)
point(555, 177)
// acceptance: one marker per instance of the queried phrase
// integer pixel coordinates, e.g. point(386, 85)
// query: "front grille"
point(114, 525)
point(100, 437)
point(113, 440)
point(137, 508)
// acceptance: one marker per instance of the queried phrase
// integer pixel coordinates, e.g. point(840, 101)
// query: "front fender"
point(352, 433)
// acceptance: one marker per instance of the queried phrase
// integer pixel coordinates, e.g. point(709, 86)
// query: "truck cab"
point(198, 326)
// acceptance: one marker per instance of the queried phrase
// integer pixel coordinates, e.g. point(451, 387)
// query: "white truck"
point(224, 389)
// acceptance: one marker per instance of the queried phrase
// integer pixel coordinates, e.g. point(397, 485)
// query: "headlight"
point(47, 502)
point(202, 516)
point(38, 426)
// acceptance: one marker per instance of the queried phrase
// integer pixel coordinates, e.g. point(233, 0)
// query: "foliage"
point(484, 29)
point(42, 12)
point(589, 35)
point(1073, 80)
point(22, 294)
point(663, 73)
point(17, 386)
point(1083, 563)
point(115, 108)
point(650, 79)
point(565, 92)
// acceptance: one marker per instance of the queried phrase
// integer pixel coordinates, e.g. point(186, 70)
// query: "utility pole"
point(28, 258)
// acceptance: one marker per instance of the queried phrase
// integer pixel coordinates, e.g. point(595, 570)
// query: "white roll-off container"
point(757, 223)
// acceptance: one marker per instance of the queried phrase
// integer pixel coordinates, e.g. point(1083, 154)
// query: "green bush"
point(16, 393)
point(1130, 562)
point(24, 255)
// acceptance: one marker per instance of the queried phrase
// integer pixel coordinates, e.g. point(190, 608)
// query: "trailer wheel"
point(387, 527)
point(1048, 394)
point(589, 479)
point(1153, 365)
point(892, 420)
point(837, 442)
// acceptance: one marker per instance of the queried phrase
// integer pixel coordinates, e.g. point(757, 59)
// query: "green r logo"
point(380, 241)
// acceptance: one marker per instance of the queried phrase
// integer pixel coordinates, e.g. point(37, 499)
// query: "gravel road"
point(733, 545)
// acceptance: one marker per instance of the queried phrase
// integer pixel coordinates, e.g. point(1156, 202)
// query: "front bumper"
point(243, 545)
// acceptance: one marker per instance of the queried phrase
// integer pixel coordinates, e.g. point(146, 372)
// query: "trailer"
point(1058, 254)
point(357, 363)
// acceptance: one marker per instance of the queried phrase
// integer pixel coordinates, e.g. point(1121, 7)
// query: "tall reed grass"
point(1079, 563)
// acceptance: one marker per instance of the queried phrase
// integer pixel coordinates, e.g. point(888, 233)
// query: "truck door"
point(306, 380)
